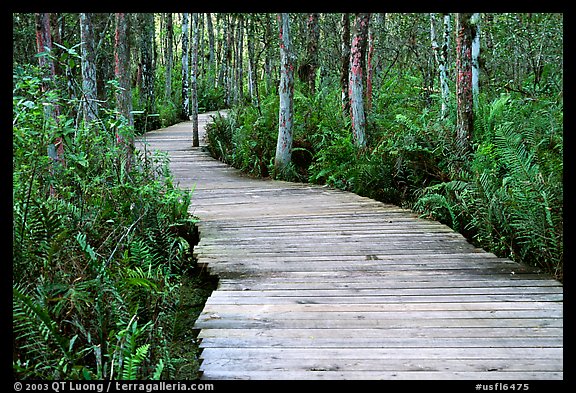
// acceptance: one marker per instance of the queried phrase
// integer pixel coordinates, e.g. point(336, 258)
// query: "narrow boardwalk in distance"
point(317, 283)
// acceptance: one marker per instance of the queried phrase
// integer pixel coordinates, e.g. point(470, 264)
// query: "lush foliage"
point(100, 246)
point(506, 196)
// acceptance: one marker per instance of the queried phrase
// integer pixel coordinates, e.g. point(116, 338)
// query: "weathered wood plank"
point(325, 323)
point(383, 342)
point(350, 333)
point(384, 353)
point(320, 374)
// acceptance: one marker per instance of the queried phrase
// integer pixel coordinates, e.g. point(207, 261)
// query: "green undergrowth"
point(102, 248)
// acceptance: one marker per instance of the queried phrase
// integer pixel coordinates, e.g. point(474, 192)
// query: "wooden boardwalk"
point(317, 283)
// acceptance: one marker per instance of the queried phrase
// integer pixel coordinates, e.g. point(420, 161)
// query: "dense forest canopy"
point(456, 116)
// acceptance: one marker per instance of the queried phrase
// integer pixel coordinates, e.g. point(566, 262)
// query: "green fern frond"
point(158, 370)
point(132, 362)
point(34, 327)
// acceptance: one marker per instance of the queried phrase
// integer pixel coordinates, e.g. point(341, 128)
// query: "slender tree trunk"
point(146, 42)
point(223, 49)
point(194, 84)
point(228, 75)
point(268, 54)
point(313, 29)
point(239, 77)
point(355, 90)
point(252, 78)
point(440, 53)
point(122, 74)
point(88, 61)
point(446, 46)
point(201, 60)
point(286, 92)
point(380, 35)
point(44, 46)
point(185, 67)
point(369, 68)
point(464, 97)
point(211, 52)
point(57, 29)
point(345, 62)
point(169, 56)
point(475, 21)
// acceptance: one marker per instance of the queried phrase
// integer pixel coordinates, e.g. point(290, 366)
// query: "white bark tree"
point(475, 22)
point(286, 92)
point(345, 62)
point(194, 82)
point(356, 92)
point(441, 55)
point(168, 56)
point(185, 67)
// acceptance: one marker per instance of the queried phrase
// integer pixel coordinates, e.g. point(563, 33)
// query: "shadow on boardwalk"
point(317, 283)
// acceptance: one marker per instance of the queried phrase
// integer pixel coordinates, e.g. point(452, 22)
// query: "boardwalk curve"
point(317, 283)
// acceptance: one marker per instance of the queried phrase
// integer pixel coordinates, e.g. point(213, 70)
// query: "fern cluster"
point(511, 200)
point(99, 249)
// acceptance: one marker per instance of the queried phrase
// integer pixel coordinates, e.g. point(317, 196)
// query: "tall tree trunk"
point(194, 84)
point(369, 68)
point(355, 91)
point(475, 21)
point(211, 52)
point(201, 59)
point(122, 74)
point(464, 97)
point(252, 78)
point(440, 53)
point(56, 31)
point(88, 61)
point(185, 68)
point(286, 92)
point(268, 53)
point(239, 78)
point(44, 46)
point(169, 56)
point(222, 49)
point(379, 35)
point(345, 62)
point(446, 46)
point(146, 37)
point(228, 75)
point(313, 29)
